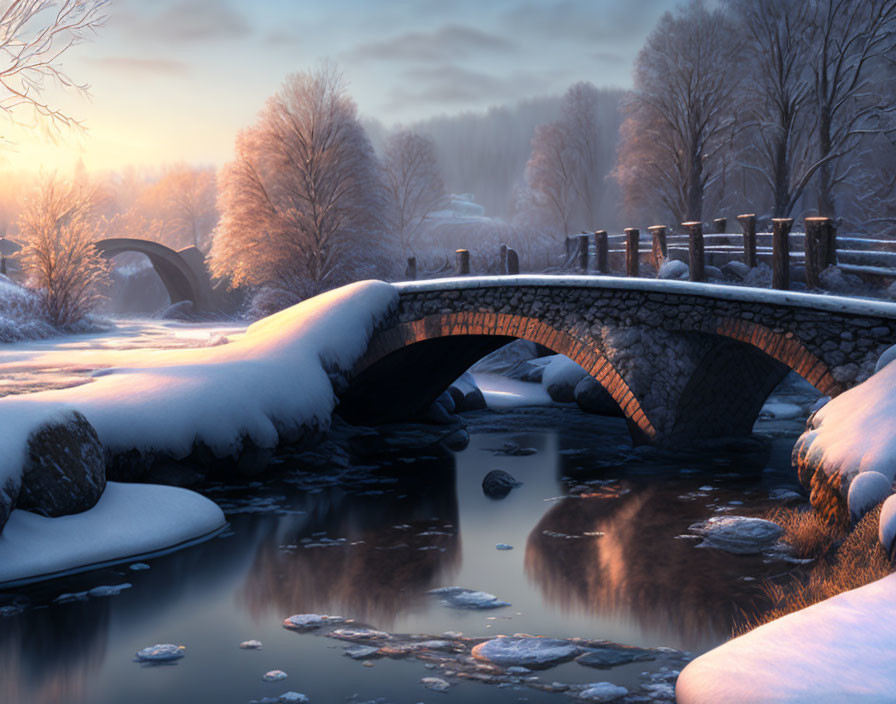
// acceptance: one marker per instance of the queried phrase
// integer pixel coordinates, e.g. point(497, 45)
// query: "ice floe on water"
point(602, 692)
point(437, 684)
point(309, 622)
point(527, 651)
point(461, 598)
point(160, 653)
point(251, 645)
point(742, 535)
point(503, 546)
point(274, 676)
point(285, 698)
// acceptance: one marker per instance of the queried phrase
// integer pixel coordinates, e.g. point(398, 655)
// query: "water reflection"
point(372, 557)
point(50, 655)
point(634, 569)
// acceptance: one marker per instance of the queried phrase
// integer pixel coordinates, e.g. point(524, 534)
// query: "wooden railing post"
point(410, 274)
point(513, 262)
point(582, 253)
point(696, 257)
point(781, 252)
point(602, 251)
point(502, 256)
point(817, 244)
point(748, 225)
point(719, 225)
point(660, 250)
point(462, 262)
point(632, 261)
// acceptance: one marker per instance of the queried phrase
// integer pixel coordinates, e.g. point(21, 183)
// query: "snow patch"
point(840, 650)
point(128, 520)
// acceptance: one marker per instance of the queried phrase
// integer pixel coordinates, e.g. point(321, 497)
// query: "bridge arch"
point(490, 331)
point(177, 270)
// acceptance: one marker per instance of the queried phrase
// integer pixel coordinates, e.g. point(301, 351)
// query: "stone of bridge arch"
point(683, 361)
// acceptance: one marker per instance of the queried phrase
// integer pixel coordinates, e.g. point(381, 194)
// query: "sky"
point(175, 80)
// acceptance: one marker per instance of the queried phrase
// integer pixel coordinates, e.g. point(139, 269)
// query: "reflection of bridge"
point(682, 360)
point(183, 272)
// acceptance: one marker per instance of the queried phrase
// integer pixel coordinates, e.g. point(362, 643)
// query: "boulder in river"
point(466, 394)
point(560, 378)
point(741, 535)
point(526, 651)
point(591, 397)
point(64, 471)
point(498, 483)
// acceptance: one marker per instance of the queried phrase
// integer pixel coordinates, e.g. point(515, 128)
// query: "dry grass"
point(856, 561)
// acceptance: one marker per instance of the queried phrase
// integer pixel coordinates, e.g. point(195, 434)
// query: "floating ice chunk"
point(526, 651)
point(308, 622)
point(780, 411)
point(359, 633)
point(112, 590)
point(437, 684)
point(137, 566)
point(293, 698)
point(361, 652)
point(251, 645)
point(274, 676)
point(161, 652)
point(602, 692)
point(741, 535)
point(504, 546)
point(461, 598)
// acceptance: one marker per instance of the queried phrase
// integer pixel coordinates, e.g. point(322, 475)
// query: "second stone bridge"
point(683, 361)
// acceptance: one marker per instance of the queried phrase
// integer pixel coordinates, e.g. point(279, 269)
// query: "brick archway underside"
point(444, 345)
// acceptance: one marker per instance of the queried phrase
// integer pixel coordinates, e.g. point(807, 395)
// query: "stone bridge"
point(182, 272)
point(684, 361)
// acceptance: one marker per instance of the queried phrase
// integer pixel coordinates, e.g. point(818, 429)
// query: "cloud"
point(452, 85)
point(565, 20)
point(191, 20)
point(133, 65)
point(447, 43)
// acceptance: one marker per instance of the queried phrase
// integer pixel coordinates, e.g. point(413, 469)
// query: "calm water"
point(403, 523)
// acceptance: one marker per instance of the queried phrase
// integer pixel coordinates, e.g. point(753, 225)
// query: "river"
point(598, 529)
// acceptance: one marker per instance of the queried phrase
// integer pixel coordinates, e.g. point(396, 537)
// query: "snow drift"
point(268, 386)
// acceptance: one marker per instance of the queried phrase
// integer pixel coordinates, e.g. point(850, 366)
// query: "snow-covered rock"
point(561, 375)
point(498, 483)
point(741, 535)
point(526, 651)
point(839, 650)
point(510, 360)
point(461, 598)
point(887, 527)
point(268, 387)
point(466, 394)
point(713, 272)
point(613, 655)
point(292, 698)
point(760, 276)
point(866, 491)
point(735, 269)
point(251, 645)
point(673, 269)
point(128, 520)
point(852, 433)
point(309, 622)
point(64, 471)
point(888, 356)
point(161, 652)
point(274, 676)
point(602, 692)
point(778, 410)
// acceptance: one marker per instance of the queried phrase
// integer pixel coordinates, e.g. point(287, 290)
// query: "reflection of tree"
point(637, 570)
point(48, 656)
point(386, 572)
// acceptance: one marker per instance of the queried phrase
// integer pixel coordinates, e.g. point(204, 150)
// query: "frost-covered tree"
point(413, 183)
point(846, 40)
point(34, 34)
point(179, 208)
point(58, 225)
point(582, 122)
point(681, 115)
point(302, 204)
point(777, 107)
point(551, 173)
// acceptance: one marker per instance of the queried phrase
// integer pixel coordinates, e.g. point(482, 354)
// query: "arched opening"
point(136, 287)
